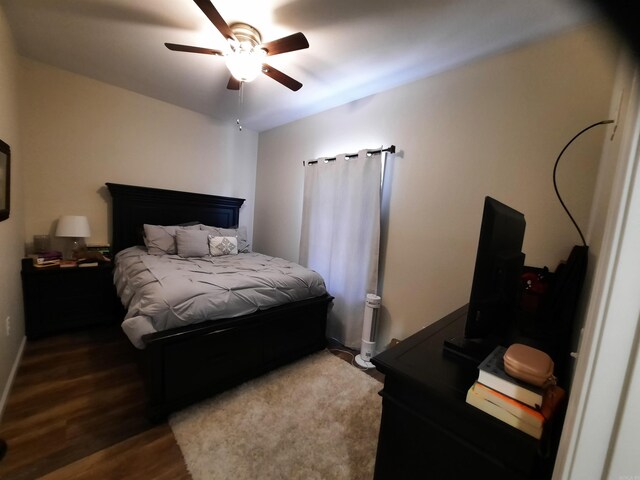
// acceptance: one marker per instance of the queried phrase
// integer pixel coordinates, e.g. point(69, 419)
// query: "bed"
point(185, 364)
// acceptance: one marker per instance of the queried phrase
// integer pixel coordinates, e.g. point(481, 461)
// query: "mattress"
point(161, 292)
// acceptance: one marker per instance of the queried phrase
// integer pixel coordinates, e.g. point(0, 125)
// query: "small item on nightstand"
point(91, 257)
point(68, 263)
point(104, 249)
point(84, 264)
point(40, 243)
point(43, 258)
point(46, 264)
point(46, 259)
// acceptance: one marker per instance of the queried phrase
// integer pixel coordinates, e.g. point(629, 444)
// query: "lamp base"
point(73, 248)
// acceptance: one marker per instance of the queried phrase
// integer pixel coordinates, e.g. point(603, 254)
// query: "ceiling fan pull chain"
point(240, 104)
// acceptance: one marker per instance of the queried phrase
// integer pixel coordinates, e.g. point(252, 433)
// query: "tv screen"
point(495, 289)
point(496, 277)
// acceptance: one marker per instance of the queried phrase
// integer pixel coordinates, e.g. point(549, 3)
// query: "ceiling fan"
point(246, 52)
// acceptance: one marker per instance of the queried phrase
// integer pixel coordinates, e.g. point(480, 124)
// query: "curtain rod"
point(390, 149)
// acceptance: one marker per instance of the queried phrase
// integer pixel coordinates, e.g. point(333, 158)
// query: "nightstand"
point(58, 299)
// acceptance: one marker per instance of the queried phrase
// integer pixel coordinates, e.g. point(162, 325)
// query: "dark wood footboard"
point(185, 365)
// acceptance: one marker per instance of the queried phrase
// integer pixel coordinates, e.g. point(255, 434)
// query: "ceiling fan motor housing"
point(246, 34)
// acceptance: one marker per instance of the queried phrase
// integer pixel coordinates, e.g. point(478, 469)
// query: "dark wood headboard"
point(134, 206)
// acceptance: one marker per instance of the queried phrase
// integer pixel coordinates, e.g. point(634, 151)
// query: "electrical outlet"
point(8, 325)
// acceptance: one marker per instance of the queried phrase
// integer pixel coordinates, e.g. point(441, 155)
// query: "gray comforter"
point(161, 292)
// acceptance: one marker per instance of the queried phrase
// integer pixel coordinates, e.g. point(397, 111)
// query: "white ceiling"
point(357, 47)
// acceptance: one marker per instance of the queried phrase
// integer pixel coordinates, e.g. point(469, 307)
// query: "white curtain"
point(340, 236)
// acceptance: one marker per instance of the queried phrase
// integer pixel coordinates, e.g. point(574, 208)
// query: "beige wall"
point(11, 230)
point(494, 127)
point(77, 134)
point(81, 133)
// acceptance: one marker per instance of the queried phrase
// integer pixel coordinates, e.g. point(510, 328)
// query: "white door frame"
point(605, 366)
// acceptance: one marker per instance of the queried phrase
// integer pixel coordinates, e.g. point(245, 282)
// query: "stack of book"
point(79, 262)
point(47, 259)
point(519, 404)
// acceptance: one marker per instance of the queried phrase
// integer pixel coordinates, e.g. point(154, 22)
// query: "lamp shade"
point(73, 226)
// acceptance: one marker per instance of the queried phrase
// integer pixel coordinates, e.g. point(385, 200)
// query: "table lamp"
point(76, 227)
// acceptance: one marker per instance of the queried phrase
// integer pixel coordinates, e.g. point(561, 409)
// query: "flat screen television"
point(495, 291)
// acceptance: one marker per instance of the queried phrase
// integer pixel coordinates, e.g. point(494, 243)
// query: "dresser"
point(429, 431)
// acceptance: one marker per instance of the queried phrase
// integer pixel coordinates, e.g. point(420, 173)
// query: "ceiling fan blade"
point(280, 77)
point(234, 84)
point(212, 14)
point(187, 48)
point(297, 41)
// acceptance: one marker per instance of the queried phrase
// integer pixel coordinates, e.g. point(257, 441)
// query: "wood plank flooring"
point(76, 411)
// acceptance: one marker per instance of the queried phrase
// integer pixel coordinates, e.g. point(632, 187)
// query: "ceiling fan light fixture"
point(244, 65)
point(245, 57)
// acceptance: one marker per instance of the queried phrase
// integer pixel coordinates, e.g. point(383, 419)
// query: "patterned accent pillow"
point(223, 246)
point(240, 233)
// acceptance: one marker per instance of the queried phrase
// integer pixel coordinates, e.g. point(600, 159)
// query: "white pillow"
point(223, 246)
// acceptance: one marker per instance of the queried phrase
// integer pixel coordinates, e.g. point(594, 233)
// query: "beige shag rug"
point(315, 419)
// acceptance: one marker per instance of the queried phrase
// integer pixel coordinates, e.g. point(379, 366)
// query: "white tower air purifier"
point(369, 330)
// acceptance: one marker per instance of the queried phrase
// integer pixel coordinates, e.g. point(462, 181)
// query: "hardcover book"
point(518, 409)
point(47, 264)
point(46, 260)
point(492, 374)
point(504, 415)
point(50, 255)
point(87, 264)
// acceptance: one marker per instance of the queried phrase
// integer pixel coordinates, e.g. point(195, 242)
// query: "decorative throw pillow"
point(223, 246)
point(192, 243)
point(240, 233)
point(161, 239)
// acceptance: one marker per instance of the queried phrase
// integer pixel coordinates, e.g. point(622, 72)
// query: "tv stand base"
point(467, 349)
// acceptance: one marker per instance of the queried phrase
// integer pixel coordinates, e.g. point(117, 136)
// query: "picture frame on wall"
point(5, 180)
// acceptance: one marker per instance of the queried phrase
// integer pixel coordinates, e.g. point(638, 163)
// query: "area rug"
point(315, 419)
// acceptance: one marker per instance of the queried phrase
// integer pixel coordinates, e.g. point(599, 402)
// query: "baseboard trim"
point(12, 376)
